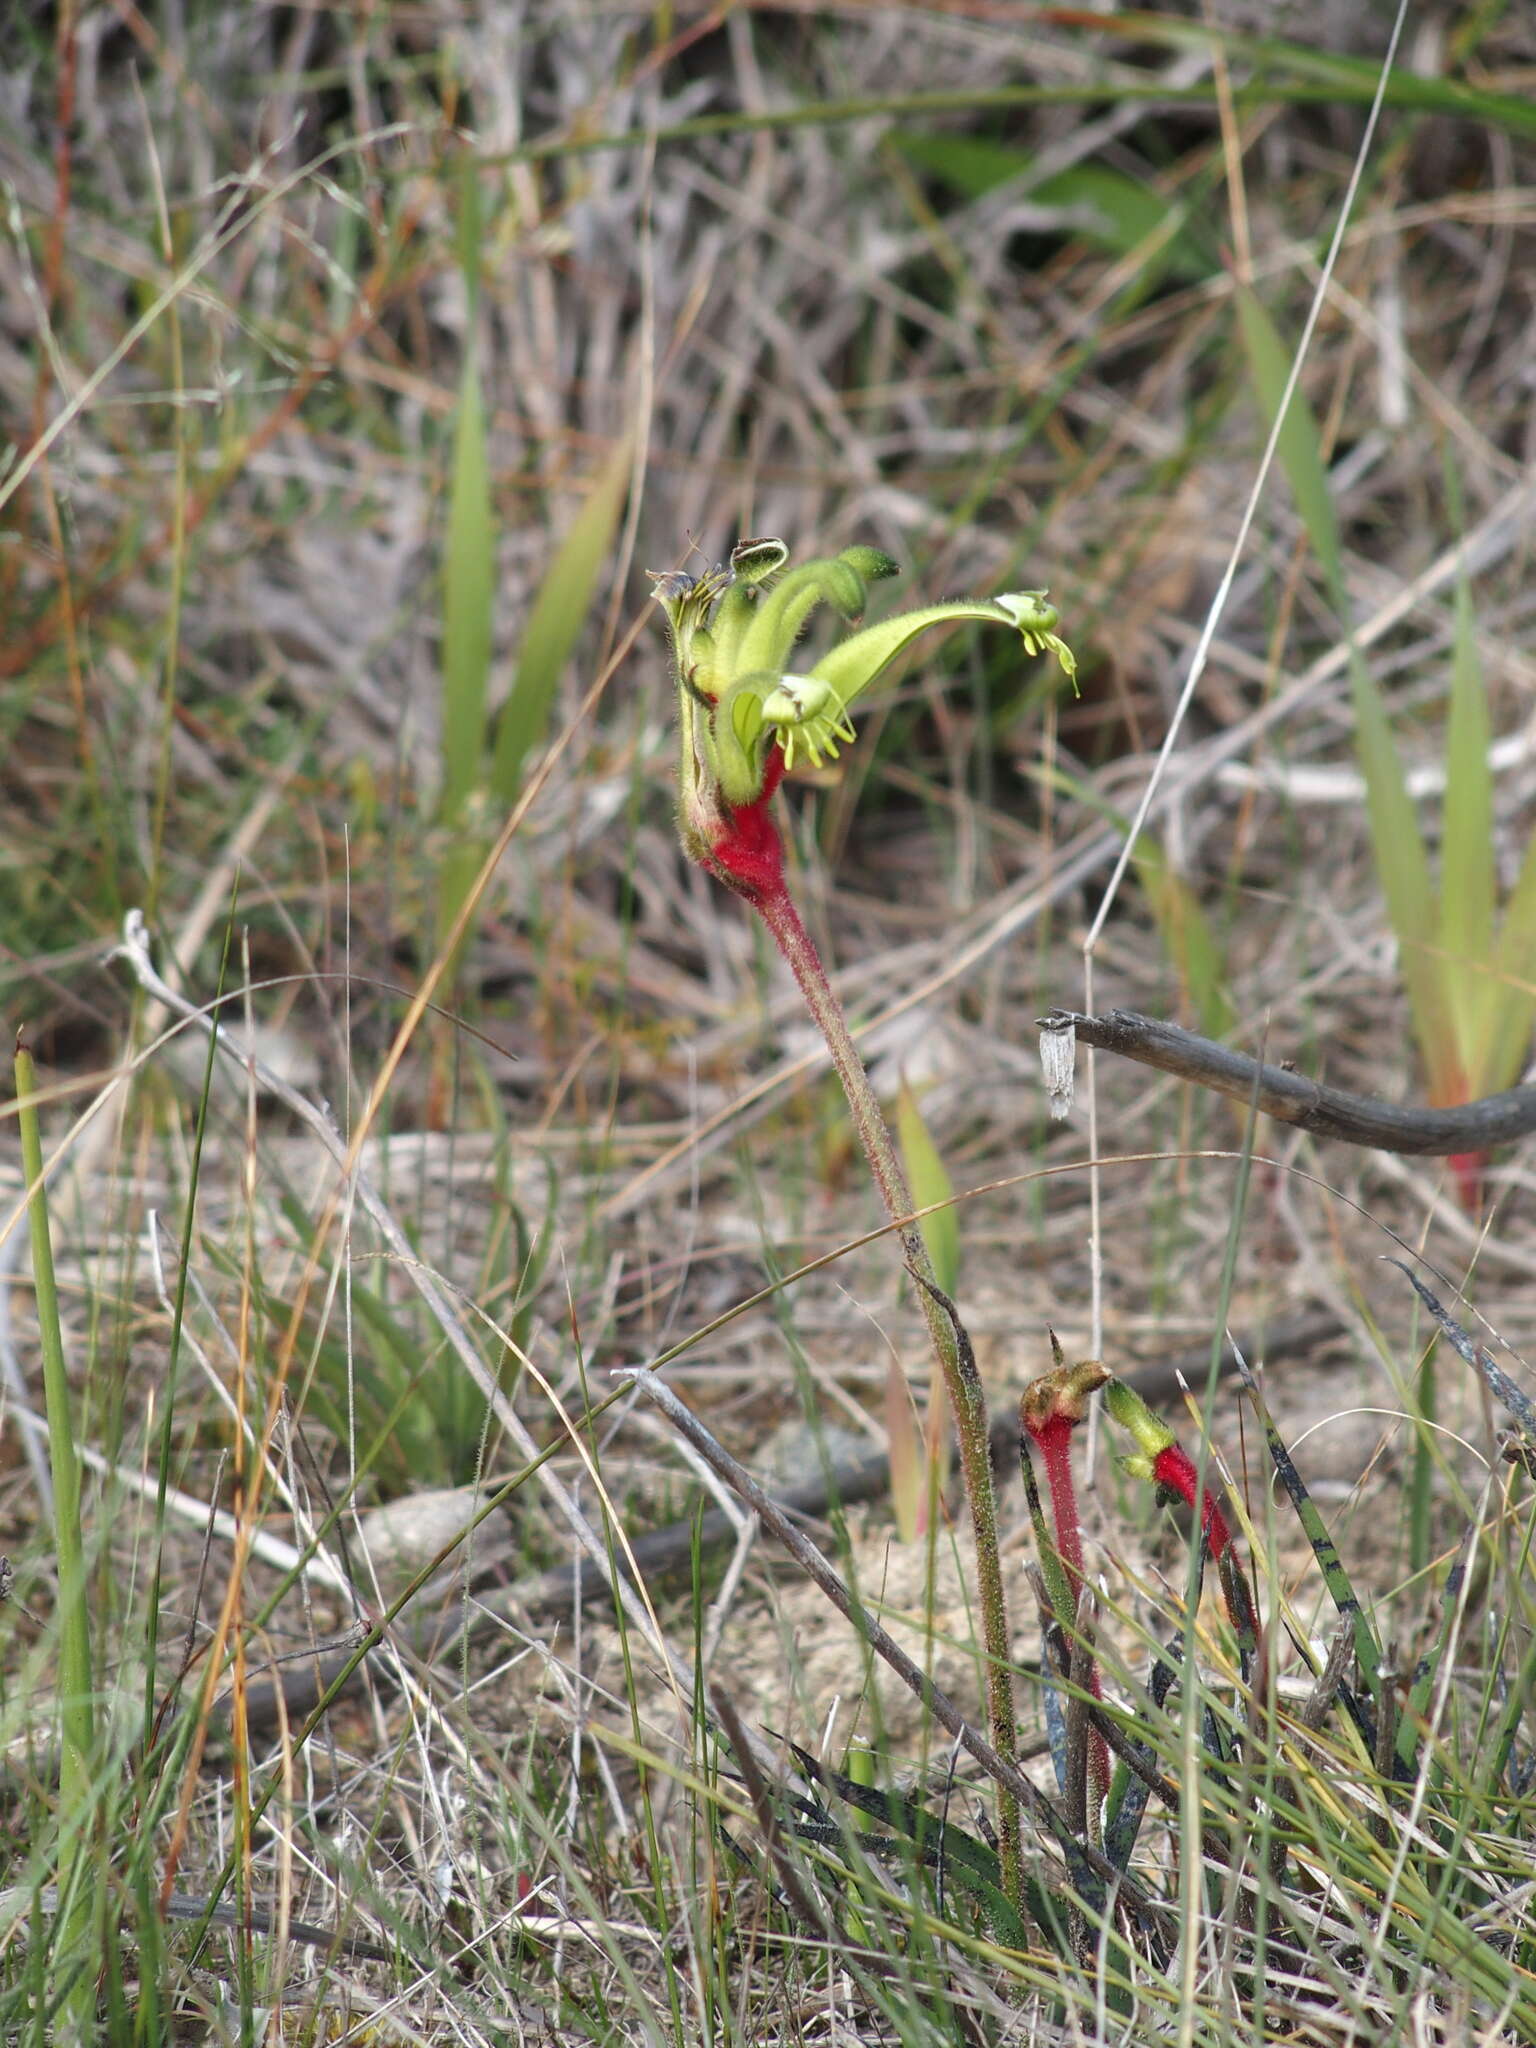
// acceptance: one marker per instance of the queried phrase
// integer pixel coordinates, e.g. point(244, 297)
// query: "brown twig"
point(1294, 1099)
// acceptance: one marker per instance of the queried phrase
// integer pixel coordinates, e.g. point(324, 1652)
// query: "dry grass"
point(232, 321)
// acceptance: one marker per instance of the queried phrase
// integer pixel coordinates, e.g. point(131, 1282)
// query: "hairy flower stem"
point(956, 1362)
point(1052, 1436)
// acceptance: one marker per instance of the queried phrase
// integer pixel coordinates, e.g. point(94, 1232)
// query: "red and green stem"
point(747, 856)
point(1159, 1458)
point(1051, 1434)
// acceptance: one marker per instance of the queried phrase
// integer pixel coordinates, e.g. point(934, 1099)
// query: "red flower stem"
point(961, 1379)
point(1053, 1437)
point(1172, 1468)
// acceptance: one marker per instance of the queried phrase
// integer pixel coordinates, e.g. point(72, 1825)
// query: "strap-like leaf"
point(1324, 1549)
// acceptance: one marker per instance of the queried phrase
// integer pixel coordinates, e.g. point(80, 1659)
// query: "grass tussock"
point(427, 1216)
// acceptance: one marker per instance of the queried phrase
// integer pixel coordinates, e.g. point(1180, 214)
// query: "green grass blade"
point(468, 582)
point(468, 575)
point(929, 1182)
point(555, 623)
point(1299, 448)
point(1467, 877)
point(1513, 970)
point(1402, 864)
point(1187, 939)
point(1106, 207)
point(1402, 861)
point(1422, 1690)
point(77, 1747)
point(1335, 1577)
point(1520, 1697)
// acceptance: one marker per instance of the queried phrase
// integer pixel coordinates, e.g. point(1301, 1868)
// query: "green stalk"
point(1422, 1476)
point(961, 1379)
point(73, 1977)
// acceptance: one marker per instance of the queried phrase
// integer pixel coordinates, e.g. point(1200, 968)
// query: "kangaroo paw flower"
point(746, 714)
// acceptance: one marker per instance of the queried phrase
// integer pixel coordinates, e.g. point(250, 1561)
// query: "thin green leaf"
point(1187, 939)
point(468, 578)
point(71, 1979)
point(555, 622)
point(1423, 1688)
point(966, 1864)
point(1105, 206)
point(1513, 968)
point(1341, 1591)
point(1122, 215)
point(1126, 1807)
point(1299, 447)
point(1467, 877)
point(1402, 861)
point(929, 1182)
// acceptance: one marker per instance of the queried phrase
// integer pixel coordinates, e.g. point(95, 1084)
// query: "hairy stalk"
point(1051, 1409)
point(745, 714)
point(956, 1362)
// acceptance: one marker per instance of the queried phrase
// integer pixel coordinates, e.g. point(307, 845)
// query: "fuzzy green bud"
point(1150, 1432)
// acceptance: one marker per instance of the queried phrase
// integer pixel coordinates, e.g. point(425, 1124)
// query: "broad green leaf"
point(555, 622)
point(1120, 214)
point(967, 166)
point(1107, 207)
point(930, 1183)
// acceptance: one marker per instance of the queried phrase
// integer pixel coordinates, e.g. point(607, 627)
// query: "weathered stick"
point(1294, 1099)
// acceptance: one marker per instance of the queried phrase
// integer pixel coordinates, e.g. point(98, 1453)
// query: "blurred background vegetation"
point(356, 363)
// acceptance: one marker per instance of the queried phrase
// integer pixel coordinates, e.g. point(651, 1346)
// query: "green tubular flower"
point(734, 630)
point(808, 718)
point(1037, 621)
point(770, 636)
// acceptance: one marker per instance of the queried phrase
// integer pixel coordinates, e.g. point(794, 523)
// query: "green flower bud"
point(1134, 1465)
point(871, 563)
point(1151, 1433)
point(754, 561)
